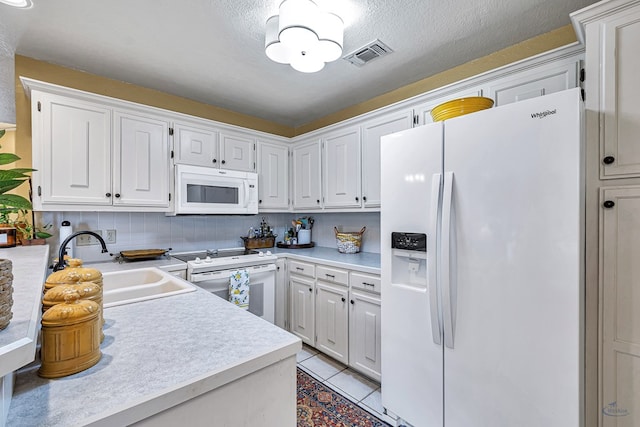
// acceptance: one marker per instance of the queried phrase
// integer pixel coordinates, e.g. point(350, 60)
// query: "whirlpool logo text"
point(542, 114)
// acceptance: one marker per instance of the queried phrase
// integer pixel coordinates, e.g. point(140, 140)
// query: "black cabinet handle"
point(260, 201)
point(357, 199)
point(310, 290)
point(609, 204)
point(318, 201)
point(343, 299)
point(223, 162)
point(364, 198)
point(108, 194)
point(608, 160)
point(352, 302)
point(215, 161)
point(330, 275)
point(117, 195)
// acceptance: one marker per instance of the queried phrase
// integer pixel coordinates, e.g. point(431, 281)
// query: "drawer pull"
point(330, 275)
point(299, 268)
point(368, 284)
point(343, 299)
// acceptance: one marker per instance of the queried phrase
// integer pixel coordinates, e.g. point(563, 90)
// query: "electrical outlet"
point(88, 239)
point(110, 237)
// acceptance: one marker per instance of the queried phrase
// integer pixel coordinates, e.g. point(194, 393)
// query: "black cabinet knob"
point(357, 199)
point(364, 198)
point(117, 195)
point(223, 162)
point(609, 204)
point(343, 299)
point(318, 201)
point(108, 194)
point(215, 161)
point(260, 201)
point(608, 160)
point(352, 302)
point(310, 290)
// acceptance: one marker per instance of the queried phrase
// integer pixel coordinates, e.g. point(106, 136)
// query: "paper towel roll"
point(65, 231)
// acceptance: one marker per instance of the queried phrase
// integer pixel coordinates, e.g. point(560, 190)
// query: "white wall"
point(184, 233)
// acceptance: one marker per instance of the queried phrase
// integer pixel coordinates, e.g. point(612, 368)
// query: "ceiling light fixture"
point(304, 36)
point(18, 3)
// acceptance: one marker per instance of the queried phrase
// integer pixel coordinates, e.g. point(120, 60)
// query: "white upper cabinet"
point(141, 166)
point(307, 187)
point(90, 156)
point(611, 32)
point(207, 145)
point(273, 175)
point(196, 145)
point(237, 151)
point(71, 151)
point(372, 130)
point(533, 83)
point(342, 186)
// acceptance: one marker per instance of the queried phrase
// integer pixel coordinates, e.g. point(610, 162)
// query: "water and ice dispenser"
point(409, 261)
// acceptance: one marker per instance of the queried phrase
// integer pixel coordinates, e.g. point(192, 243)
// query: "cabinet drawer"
point(302, 268)
point(333, 275)
point(366, 282)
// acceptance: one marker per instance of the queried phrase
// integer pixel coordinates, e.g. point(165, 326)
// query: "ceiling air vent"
point(367, 53)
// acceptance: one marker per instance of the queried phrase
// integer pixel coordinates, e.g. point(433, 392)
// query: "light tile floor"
point(350, 384)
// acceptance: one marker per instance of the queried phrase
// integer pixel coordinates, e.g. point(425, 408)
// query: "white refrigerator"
point(482, 255)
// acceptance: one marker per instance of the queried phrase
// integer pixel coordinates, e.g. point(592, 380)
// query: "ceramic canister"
point(70, 337)
point(87, 291)
point(73, 273)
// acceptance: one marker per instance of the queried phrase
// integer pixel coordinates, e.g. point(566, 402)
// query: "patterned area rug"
point(319, 406)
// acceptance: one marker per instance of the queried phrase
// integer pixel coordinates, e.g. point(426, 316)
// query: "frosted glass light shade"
point(304, 36)
point(18, 3)
point(7, 91)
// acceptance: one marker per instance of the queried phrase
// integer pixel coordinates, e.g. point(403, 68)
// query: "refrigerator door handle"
point(436, 326)
point(447, 312)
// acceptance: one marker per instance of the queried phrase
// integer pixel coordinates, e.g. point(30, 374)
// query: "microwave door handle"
point(245, 183)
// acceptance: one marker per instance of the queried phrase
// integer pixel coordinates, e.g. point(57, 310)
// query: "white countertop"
point(367, 262)
point(156, 354)
point(18, 340)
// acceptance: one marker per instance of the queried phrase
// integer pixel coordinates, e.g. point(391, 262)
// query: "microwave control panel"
point(409, 241)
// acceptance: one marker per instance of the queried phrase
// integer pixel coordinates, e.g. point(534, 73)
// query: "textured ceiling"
point(212, 51)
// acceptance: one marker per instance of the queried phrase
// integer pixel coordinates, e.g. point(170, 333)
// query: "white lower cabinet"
point(332, 327)
point(337, 311)
point(303, 308)
point(364, 333)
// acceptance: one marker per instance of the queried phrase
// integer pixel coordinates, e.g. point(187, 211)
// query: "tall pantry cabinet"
point(610, 31)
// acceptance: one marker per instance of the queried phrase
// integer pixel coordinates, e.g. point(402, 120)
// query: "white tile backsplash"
point(139, 230)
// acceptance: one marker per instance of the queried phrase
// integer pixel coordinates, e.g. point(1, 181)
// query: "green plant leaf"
point(43, 235)
point(10, 184)
point(15, 201)
point(10, 174)
point(2, 133)
point(6, 158)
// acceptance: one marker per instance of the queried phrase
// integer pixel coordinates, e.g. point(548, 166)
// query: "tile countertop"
point(18, 340)
point(156, 354)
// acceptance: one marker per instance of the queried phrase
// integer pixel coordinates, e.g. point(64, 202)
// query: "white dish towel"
point(239, 288)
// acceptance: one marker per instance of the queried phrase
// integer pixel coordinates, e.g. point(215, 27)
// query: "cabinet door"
point(423, 111)
point(306, 175)
point(282, 296)
point(371, 133)
point(342, 169)
point(332, 328)
point(237, 152)
point(273, 175)
point(141, 161)
point(620, 322)
point(534, 83)
point(71, 151)
point(196, 145)
point(364, 333)
point(617, 91)
point(302, 311)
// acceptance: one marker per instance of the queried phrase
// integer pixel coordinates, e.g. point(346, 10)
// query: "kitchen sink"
point(129, 286)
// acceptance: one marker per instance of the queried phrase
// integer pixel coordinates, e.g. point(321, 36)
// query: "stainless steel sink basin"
point(129, 286)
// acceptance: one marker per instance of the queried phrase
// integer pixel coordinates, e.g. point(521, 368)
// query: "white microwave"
point(203, 190)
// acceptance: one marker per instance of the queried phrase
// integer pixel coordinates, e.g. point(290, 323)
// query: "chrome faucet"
point(61, 263)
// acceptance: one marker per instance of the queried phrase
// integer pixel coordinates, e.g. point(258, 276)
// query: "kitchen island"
point(189, 357)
